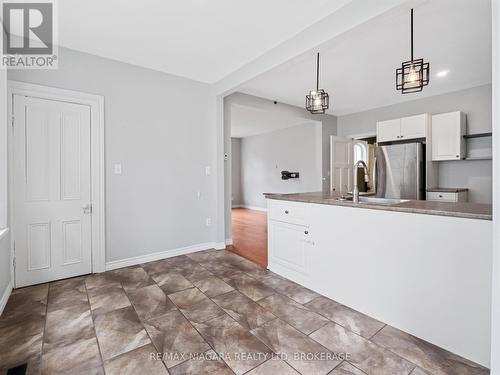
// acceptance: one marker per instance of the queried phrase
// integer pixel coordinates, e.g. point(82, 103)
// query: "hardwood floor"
point(250, 235)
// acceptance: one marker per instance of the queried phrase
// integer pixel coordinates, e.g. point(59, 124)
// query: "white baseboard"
point(5, 297)
point(218, 246)
point(163, 255)
point(251, 207)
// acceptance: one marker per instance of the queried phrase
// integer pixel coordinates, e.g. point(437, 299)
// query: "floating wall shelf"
point(479, 158)
point(478, 135)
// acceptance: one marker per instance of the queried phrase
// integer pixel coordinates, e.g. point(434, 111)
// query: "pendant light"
point(317, 101)
point(414, 74)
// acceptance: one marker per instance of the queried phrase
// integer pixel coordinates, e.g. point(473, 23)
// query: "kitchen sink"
point(375, 200)
point(382, 201)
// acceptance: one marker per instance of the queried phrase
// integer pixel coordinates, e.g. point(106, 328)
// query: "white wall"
point(263, 157)
point(5, 241)
point(475, 102)
point(160, 128)
point(328, 122)
point(237, 193)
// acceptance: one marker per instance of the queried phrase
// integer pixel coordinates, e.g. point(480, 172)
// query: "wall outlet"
point(198, 194)
point(208, 221)
point(118, 168)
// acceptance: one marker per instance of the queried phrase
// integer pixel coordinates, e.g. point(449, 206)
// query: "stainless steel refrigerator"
point(400, 171)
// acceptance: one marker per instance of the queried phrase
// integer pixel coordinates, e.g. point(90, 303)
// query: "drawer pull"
point(286, 212)
point(440, 196)
point(306, 232)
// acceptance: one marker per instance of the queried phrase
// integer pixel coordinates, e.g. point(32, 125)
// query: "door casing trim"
point(97, 156)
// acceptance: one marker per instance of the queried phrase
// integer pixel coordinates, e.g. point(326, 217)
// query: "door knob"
point(87, 208)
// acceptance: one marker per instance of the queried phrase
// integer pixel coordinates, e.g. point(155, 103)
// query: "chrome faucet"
point(355, 189)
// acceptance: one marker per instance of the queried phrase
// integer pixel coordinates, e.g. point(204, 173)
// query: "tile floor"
point(211, 312)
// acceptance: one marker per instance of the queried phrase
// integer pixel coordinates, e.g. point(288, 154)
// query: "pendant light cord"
point(317, 73)
point(411, 33)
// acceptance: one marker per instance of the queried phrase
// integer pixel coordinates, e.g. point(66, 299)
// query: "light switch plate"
point(208, 170)
point(118, 169)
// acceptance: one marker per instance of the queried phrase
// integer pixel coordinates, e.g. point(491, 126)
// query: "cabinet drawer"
point(443, 197)
point(288, 212)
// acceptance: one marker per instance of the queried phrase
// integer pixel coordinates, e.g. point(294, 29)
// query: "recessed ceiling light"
point(442, 73)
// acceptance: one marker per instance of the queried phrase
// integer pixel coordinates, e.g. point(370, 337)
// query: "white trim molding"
point(5, 297)
point(362, 135)
point(115, 264)
point(96, 104)
point(495, 326)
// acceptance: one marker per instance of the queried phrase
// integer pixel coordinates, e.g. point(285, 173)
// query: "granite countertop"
point(447, 190)
point(463, 210)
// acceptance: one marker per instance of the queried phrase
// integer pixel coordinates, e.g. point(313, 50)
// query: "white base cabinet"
point(423, 274)
point(289, 239)
point(291, 246)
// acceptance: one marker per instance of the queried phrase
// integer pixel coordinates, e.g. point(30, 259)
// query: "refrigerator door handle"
point(419, 166)
point(374, 174)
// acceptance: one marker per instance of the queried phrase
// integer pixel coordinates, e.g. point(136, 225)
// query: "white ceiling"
point(248, 121)
point(358, 68)
point(204, 40)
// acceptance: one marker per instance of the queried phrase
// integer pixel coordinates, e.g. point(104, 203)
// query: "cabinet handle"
point(440, 196)
point(306, 232)
point(458, 156)
point(286, 212)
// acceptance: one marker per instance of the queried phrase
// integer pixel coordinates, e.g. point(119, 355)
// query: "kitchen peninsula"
point(423, 267)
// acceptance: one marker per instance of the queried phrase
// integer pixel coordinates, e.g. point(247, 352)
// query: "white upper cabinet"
point(448, 130)
point(414, 126)
point(401, 129)
point(389, 130)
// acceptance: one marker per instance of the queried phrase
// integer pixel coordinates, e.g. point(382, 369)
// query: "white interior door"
point(52, 190)
point(341, 164)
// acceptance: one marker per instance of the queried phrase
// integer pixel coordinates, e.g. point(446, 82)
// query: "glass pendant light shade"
point(317, 101)
point(414, 74)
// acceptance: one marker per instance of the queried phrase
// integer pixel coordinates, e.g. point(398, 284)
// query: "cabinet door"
point(389, 130)
point(447, 136)
point(288, 245)
point(341, 164)
point(413, 126)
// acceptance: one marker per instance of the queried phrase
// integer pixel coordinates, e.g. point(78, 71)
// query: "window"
point(360, 152)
